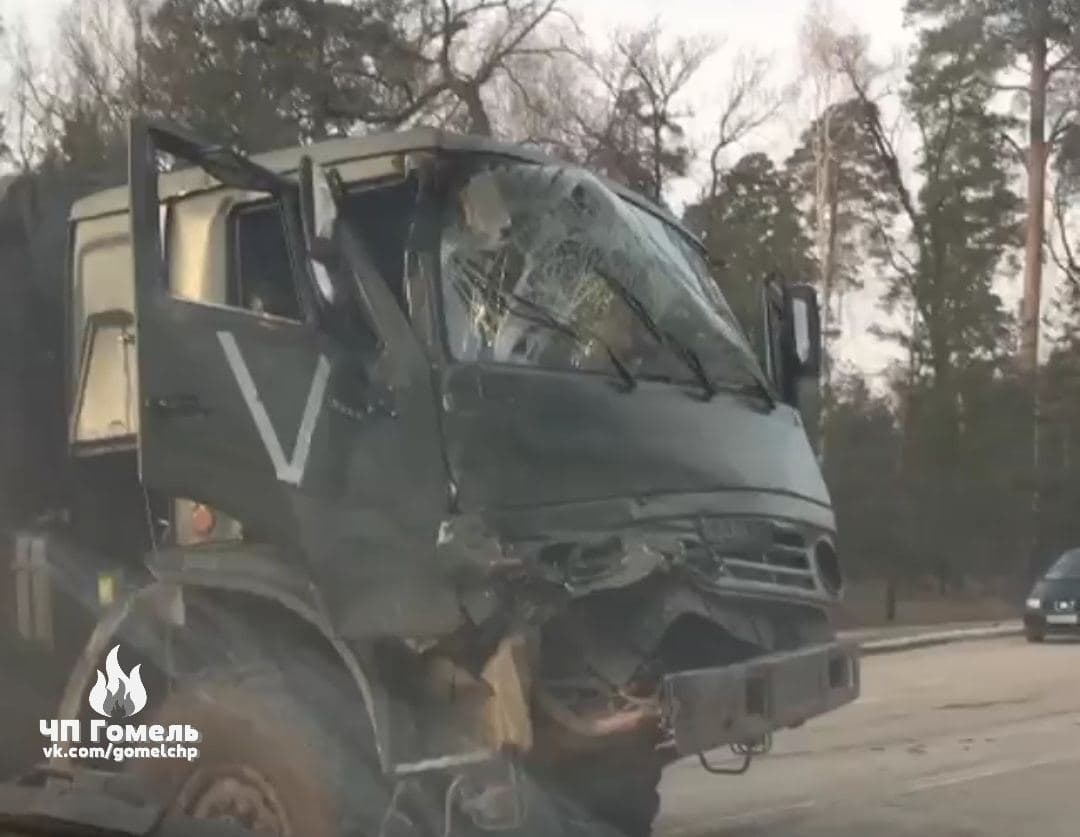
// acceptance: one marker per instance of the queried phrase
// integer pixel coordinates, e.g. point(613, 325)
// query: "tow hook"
point(746, 749)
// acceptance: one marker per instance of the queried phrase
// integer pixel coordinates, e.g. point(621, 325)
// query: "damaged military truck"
point(459, 479)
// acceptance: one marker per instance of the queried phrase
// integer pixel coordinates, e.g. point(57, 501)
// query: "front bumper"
point(739, 703)
point(1040, 622)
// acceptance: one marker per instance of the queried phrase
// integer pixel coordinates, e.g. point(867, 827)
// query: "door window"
point(262, 276)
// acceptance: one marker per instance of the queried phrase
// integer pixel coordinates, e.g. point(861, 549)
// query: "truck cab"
point(472, 416)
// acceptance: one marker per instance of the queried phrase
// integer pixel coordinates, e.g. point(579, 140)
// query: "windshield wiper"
point(693, 359)
point(539, 315)
point(759, 389)
point(685, 353)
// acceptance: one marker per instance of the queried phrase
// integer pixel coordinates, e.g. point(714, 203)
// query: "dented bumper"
point(711, 707)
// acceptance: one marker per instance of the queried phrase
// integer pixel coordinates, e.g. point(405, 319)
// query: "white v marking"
point(289, 470)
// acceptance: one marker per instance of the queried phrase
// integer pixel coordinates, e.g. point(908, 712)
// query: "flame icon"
point(123, 694)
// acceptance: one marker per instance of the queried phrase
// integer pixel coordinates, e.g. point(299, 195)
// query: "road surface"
point(972, 739)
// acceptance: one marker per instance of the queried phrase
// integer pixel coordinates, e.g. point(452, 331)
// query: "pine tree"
point(753, 229)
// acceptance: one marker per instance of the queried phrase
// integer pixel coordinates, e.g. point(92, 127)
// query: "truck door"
point(320, 441)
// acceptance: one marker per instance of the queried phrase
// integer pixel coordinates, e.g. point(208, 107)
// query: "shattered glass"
point(531, 255)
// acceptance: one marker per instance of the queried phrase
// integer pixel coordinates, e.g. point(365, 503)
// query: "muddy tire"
point(280, 752)
point(1034, 635)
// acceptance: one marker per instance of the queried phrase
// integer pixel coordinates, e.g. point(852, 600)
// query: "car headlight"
point(1034, 604)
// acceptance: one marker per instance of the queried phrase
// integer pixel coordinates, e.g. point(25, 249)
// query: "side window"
point(381, 216)
point(261, 277)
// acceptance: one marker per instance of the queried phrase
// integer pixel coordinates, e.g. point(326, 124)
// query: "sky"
point(766, 27)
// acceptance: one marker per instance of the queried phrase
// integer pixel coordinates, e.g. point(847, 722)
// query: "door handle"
point(177, 404)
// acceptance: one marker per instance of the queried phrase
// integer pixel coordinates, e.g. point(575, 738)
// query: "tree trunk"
point(479, 121)
point(1033, 251)
point(1036, 209)
point(658, 171)
point(135, 11)
point(322, 86)
point(826, 194)
point(828, 294)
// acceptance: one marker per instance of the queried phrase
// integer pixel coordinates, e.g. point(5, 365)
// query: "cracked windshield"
point(540, 418)
point(545, 266)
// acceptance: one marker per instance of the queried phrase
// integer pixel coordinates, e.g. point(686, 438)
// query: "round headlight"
point(828, 567)
point(1034, 604)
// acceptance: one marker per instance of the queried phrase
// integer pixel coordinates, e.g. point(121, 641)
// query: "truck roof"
point(339, 150)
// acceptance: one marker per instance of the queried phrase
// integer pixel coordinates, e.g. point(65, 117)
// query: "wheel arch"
point(171, 602)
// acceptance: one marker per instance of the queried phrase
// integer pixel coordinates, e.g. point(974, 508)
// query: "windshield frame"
point(458, 162)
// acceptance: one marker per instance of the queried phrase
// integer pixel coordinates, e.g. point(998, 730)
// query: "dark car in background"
point(1053, 605)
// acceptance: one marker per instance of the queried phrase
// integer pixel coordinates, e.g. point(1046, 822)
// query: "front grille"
point(1063, 606)
point(755, 551)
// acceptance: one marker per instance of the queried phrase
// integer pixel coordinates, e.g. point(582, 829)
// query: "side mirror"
point(802, 319)
point(318, 210)
point(793, 336)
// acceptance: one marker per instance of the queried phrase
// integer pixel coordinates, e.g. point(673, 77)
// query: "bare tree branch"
point(997, 87)
point(1061, 125)
point(747, 106)
point(1066, 62)
point(1067, 260)
point(886, 151)
point(453, 51)
point(1021, 155)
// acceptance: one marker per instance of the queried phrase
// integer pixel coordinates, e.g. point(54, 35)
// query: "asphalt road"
point(962, 740)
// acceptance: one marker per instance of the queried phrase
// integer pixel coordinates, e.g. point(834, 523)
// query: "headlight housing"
point(1034, 604)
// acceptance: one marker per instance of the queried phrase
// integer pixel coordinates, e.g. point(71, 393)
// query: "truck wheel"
point(1034, 635)
point(280, 753)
